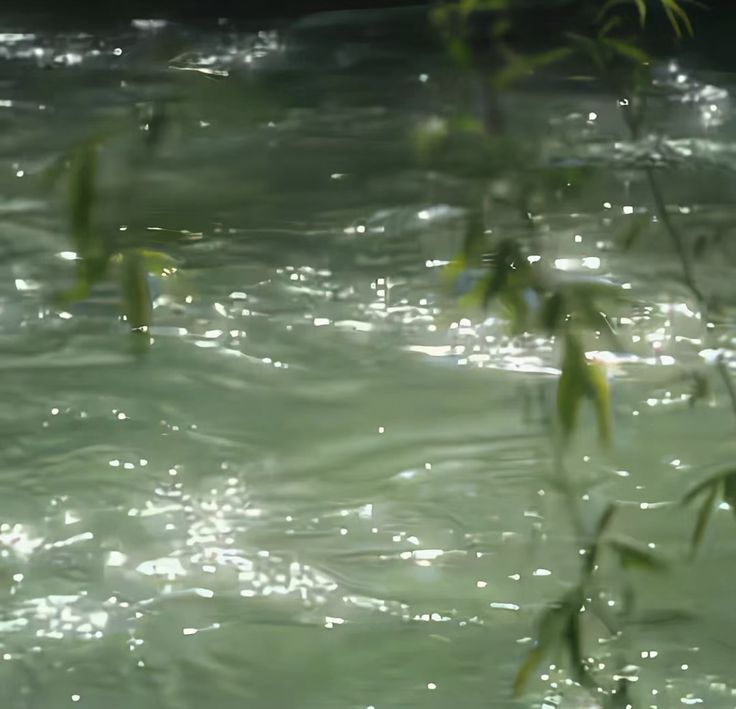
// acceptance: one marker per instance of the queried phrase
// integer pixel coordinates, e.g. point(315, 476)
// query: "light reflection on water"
point(327, 486)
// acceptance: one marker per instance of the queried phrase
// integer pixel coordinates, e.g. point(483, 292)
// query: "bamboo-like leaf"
point(676, 15)
point(589, 47)
point(634, 230)
point(521, 66)
point(608, 6)
point(88, 242)
point(600, 394)
point(574, 645)
point(634, 554)
point(158, 262)
point(604, 522)
point(572, 385)
point(610, 25)
point(625, 49)
point(550, 634)
point(704, 514)
point(729, 491)
point(581, 379)
point(137, 305)
point(641, 7)
point(705, 484)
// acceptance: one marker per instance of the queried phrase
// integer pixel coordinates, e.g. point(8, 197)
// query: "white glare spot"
point(75, 697)
point(431, 685)
point(592, 116)
point(542, 572)
point(578, 238)
point(628, 209)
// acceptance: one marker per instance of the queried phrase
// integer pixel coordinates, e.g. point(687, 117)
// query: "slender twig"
point(633, 122)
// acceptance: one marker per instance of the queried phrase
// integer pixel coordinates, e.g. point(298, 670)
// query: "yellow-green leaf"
point(572, 385)
point(600, 394)
point(137, 305)
point(625, 49)
point(676, 15)
point(158, 262)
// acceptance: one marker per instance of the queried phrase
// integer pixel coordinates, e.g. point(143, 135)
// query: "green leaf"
point(137, 305)
point(604, 522)
point(552, 627)
point(704, 514)
point(634, 554)
point(705, 484)
point(630, 51)
point(521, 66)
point(158, 262)
point(553, 312)
point(601, 397)
point(88, 242)
point(581, 379)
point(676, 15)
point(634, 230)
point(572, 384)
point(641, 6)
point(729, 491)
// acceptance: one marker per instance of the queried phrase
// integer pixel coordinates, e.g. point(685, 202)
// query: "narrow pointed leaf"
point(635, 555)
point(572, 385)
point(137, 305)
point(600, 394)
point(631, 235)
point(706, 484)
point(550, 635)
point(627, 50)
point(704, 515)
point(641, 7)
point(729, 491)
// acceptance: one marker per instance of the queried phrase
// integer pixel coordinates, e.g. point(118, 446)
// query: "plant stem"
point(632, 122)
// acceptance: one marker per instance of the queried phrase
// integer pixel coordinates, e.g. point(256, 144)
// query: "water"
point(324, 486)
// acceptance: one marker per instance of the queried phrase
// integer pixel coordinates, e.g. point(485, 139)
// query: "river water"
point(323, 486)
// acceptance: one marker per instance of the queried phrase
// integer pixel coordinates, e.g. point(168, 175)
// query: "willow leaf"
point(601, 396)
point(137, 305)
point(729, 491)
point(630, 51)
point(704, 515)
point(676, 15)
point(572, 385)
point(550, 635)
point(633, 554)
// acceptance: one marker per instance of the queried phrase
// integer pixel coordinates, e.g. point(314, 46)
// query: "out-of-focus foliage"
point(496, 272)
point(99, 254)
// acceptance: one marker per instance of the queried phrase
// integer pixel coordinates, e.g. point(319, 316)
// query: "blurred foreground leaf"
point(553, 627)
point(581, 379)
point(137, 301)
point(635, 555)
